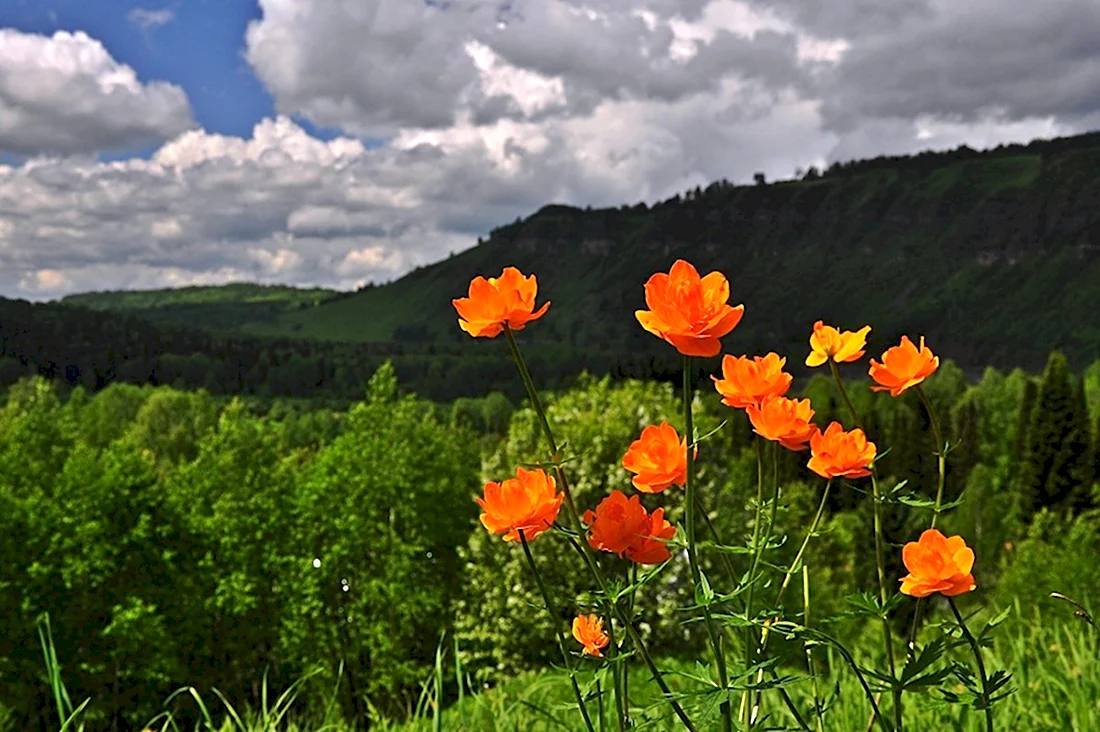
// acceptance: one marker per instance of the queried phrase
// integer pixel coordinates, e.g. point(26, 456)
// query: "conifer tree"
point(966, 436)
point(1023, 424)
point(1057, 466)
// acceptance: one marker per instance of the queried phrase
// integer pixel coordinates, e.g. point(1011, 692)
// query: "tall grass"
point(1054, 658)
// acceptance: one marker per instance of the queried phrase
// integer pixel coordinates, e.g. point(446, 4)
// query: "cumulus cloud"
point(64, 94)
point(485, 111)
point(383, 65)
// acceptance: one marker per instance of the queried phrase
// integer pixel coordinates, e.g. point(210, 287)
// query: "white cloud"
point(148, 19)
point(489, 111)
point(65, 94)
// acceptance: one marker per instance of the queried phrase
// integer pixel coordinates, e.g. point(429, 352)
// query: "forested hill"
point(995, 256)
point(233, 307)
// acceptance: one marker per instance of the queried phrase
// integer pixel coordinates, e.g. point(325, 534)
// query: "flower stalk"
point(693, 558)
point(555, 619)
point(578, 528)
point(880, 550)
point(987, 705)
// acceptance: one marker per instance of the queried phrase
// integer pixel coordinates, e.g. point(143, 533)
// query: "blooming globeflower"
point(828, 342)
point(658, 459)
point(508, 300)
point(588, 630)
point(528, 503)
point(903, 366)
point(622, 526)
point(783, 420)
point(749, 382)
point(937, 564)
point(839, 454)
point(688, 311)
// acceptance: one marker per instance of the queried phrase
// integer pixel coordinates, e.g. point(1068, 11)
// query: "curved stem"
point(743, 713)
point(693, 556)
point(810, 666)
point(941, 452)
point(941, 460)
point(555, 618)
point(844, 393)
point(578, 527)
point(805, 542)
point(880, 551)
point(617, 673)
point(981, 664)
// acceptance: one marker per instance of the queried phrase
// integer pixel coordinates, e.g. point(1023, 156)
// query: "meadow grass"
point(1055, 661)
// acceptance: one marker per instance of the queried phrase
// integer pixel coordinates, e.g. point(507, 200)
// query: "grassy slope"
point(992, 257)
point(237, 306)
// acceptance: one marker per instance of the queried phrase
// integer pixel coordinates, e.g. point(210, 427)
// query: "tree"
point(1056, 472)
point(759, 178)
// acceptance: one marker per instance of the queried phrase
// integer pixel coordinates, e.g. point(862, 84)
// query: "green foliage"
point(173, 541)
point(1049, 559)
point(380, 514)
point(1057, 470)
point(181, 540)
point(499, 631)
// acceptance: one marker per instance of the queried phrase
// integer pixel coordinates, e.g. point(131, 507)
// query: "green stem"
point(844, 393)
point(941, 459)
point(630, 615)
point(578, 527)
point(810, 666)
point(805, 542)
point(941, 452)
point(880, 551)
point(762, 648)
point(616, 672)
point(555, 618)
point(693, 557)
point(751, 579)
point(726, 563)
point(986, 704)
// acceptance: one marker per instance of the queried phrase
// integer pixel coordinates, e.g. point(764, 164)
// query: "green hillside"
point(995, 256)
point(236, 306)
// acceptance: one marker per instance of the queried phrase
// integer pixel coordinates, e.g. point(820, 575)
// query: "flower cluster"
point(692, 313)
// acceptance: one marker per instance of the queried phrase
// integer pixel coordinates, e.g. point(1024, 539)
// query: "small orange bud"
point(588, 630)
point(828, 342)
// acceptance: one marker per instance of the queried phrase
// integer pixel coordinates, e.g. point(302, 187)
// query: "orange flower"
point(525, 503)
point(937, 564)
point(828, 342)
point(746, 383)
point(903, 366)
point(659, 457)
point(588, 630)
point(496, 302)
point(840, 454)
point(783, 420)
point(689, 312)
point(622, 526)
